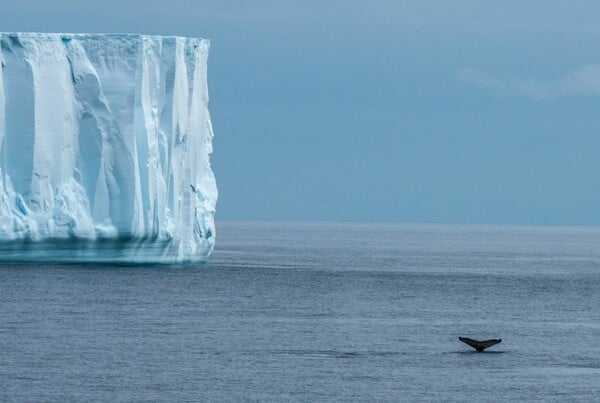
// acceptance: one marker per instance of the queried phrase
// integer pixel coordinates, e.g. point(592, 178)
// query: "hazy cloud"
point(584, 81)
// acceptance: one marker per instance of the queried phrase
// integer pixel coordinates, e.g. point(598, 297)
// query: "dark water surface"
point(317, 312)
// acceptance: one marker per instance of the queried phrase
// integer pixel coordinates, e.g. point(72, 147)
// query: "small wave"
point(337, 353)
point(478, 352)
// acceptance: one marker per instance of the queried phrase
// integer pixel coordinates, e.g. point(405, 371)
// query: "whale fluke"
point(479, 345)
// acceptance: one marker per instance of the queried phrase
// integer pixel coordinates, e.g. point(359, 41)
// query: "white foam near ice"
point(104, 149)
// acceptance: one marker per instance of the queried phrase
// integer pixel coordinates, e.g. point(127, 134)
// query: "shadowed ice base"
point(121, 251)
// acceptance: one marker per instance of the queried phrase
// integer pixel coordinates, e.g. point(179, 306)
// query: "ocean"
point(315, 312)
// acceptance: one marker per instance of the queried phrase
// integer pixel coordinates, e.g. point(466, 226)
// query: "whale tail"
point(479, 345)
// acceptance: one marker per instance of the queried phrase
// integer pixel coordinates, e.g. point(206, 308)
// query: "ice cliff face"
point(104, 149)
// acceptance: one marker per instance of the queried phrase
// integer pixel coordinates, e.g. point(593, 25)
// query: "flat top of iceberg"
point(38, 35)
point(121, 37)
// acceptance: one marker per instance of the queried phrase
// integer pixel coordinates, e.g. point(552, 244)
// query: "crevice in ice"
point(89, 159)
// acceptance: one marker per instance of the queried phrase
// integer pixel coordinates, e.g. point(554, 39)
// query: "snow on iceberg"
point(104, 149)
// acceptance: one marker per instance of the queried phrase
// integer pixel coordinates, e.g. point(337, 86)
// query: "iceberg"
point(105, 142)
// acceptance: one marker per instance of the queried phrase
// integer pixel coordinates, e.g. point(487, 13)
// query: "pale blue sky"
point(422, 111)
